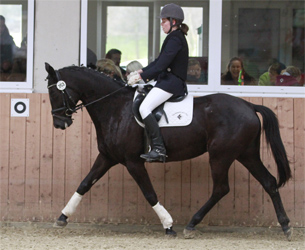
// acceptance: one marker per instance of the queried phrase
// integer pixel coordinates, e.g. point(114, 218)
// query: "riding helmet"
point(172, 11)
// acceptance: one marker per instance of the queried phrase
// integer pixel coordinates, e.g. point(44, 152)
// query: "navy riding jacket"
point(170, 68)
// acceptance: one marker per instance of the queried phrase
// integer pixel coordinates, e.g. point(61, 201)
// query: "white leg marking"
point(72, 204)
point(164, 216)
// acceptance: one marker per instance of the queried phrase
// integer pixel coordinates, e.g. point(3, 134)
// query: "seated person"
point(7, 50)
point(291, 76)
point(115, 56)
point(236, 74)
point(18, 72)
point(108, 67)
point(269, 78)
point(133, 66)
point(194, 73)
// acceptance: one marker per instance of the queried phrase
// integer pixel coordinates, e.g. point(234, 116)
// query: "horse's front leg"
point(140, 175)
point(99, 168)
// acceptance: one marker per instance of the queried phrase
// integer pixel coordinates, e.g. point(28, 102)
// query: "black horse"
point(225, 126)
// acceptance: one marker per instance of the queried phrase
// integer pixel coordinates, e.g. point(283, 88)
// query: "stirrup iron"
point(154, 156)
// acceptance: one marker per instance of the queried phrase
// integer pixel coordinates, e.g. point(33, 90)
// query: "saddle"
point(175, 108)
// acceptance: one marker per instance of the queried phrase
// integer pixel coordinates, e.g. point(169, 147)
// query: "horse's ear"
point(51, 71)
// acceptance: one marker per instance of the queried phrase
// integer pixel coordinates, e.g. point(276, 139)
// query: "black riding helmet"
point(172, 11)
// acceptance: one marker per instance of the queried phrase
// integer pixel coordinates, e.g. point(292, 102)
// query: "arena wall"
point(41, 167)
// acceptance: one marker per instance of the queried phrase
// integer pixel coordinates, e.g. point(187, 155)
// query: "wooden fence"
point(41, 167)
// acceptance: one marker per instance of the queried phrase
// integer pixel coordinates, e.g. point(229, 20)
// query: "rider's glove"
point(131, 74)
point(133, 78)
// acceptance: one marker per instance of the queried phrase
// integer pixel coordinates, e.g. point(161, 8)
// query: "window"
point(126, 26)
point(16, 23)
point(128, 33)
point(255, 31)
point(267, 37)
point(134, 29)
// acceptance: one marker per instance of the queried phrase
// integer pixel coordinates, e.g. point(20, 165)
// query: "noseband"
point(61, 85)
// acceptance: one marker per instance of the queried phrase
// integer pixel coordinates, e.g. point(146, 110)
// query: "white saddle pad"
point(178, 113)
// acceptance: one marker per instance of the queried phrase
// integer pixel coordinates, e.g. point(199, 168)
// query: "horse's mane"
point(95, 73)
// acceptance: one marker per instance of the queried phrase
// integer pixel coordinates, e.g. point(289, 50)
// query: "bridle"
point(66, 97)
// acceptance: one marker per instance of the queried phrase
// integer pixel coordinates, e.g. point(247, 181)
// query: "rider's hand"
point(133, 78)
point(131, 74)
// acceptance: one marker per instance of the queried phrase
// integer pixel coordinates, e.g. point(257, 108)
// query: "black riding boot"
point(158, 151)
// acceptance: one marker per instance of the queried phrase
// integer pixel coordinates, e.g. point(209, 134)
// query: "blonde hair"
point(293, 71)
point(108, 67)
point(133, 66)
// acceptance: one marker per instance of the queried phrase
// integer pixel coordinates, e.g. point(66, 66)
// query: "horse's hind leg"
point(99, 168)
point(253, 163)
point(221, 187)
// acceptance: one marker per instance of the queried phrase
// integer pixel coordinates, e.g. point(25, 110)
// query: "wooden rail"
point(41, 167)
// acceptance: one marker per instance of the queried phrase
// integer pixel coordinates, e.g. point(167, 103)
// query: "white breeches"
point(154, 98)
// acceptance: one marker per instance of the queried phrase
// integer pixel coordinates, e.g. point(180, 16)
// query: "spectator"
point(249, 66)
point(18, 72)
point(133, 66)
point(194, 72)
point(108, 67)
point(115, 56)
point(291, 76)
point(236, 74)
point(269, 78)
point(7, 48)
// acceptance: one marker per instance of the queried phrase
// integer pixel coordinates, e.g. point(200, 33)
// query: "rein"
point(80, 106)
point(61, 85)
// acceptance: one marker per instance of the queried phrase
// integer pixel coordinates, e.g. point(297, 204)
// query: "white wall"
point(57, 37)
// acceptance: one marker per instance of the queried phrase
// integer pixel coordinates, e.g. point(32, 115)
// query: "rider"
point(170, 71)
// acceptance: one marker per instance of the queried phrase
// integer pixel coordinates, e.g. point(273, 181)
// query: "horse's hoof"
point(169, 232)
point(289, 233)
point(60, 224)
point(189, 233)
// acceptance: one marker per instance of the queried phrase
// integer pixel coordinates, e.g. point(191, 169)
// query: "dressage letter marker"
point(20, 107)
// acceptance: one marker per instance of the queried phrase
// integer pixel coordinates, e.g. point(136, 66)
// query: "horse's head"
point(63, 99)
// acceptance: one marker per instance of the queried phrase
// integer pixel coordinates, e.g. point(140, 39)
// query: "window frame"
point(214, 55)
point(27, 85)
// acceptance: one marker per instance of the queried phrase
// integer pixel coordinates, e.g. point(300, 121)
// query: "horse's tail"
point(273, 138)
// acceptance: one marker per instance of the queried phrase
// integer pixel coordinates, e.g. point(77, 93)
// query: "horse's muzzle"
point(62, 122)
